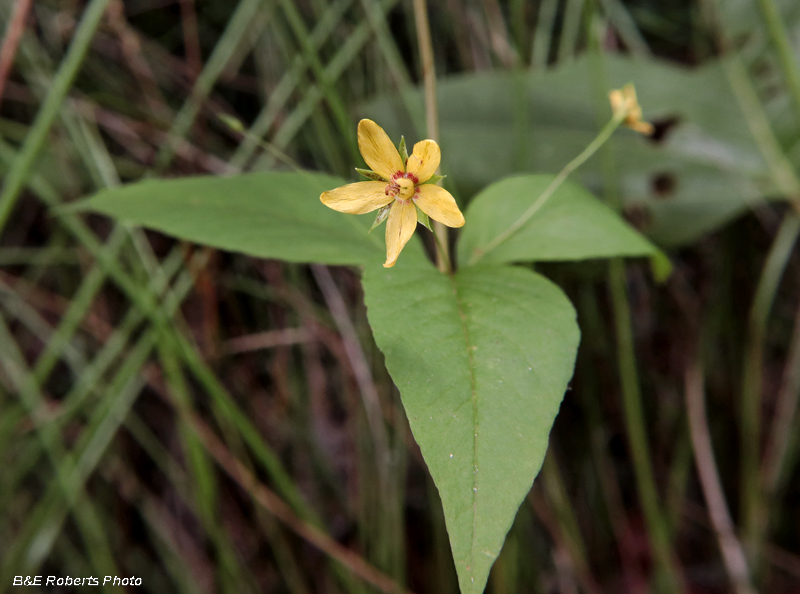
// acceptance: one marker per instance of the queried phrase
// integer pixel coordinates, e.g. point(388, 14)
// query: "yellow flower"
point(623, 101)
point(398, 188)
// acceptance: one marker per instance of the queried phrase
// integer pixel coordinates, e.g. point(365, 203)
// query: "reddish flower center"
point(402, 186)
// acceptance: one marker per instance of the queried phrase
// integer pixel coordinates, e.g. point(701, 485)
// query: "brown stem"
point(732, 553)
point(16, 25)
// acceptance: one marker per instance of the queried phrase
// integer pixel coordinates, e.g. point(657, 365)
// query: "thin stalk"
point(349, 50)
point(204, 484)
point(82, 507)
point(18, 172)
point(237, 471)
point(781, 170)
point(287, 85)
point(14, 29)
point(668, 577)
point(565, 522)
point(590, 150)
point(244, 19)
point(753, 505)
point(334, 99)
point(754, 508)
point(784, 421)
point(732, 553)
point(425, 44)
point(786, 58)
point(361, 370)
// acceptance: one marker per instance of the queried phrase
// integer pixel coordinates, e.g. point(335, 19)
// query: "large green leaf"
point(704, 170)
point(269, 215)
point(571, 225)
point(482, 360)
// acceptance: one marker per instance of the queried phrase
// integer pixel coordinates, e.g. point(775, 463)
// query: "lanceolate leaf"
point(482, 360)
point(270, 215)
point(572, 225)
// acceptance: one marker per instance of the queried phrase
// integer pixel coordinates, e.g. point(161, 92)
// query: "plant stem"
point(667, 574)
point(781, 171)
point(754, 506)
point(590, 150)
point(774, 463)
point(431, 114)
point(667, 579)
point(753, 502)
point(17, 174)
point(785, 55)
point(732, 553)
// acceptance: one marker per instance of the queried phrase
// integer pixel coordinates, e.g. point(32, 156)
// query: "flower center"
point(402, 186)
point(406, 188)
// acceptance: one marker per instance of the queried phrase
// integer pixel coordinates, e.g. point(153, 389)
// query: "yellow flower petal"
point(358, 198)
point(645, 128)
point(399, 228)
point(377, 149)
point(625, 104)
point(424, 161)
point(439, 204)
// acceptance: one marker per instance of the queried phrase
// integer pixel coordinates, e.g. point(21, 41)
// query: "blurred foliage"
point(206, 420)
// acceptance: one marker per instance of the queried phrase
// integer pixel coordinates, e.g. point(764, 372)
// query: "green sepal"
point(401, 148)
point(423, 218)
point(434, 179)
point(382, 214)
point(369, 174)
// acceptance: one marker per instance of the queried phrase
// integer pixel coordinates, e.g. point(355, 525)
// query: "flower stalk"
point(425, 43)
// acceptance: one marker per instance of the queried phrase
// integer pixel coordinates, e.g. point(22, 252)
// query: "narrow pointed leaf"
point(369, 174)
point(424, 219)
point(402, 149)
point(269, 215)
point(383, 213)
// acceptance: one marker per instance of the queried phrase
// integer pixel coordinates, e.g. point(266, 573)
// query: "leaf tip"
point(661, 266)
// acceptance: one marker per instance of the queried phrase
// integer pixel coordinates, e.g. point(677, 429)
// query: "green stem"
point(18, 173)
point(785, 54)
point(667, 579)
point(442, 251)
point(590, 150)
point(754, 508)
point(753, 504)
point(781, 171)
point(244, 18)
point(667, 574)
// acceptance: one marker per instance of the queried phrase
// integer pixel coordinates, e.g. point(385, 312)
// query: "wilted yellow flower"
point(398, 187)
point(624, 101)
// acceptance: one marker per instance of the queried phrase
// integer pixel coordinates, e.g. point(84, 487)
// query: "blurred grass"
point(141, 438)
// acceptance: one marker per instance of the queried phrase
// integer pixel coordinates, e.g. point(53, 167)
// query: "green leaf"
point(571, 225)
point(701, 170)
point(482, 360)
point(268, 215)
point(369, 174)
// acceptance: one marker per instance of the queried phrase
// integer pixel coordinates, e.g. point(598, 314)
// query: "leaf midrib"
point(474, 398)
